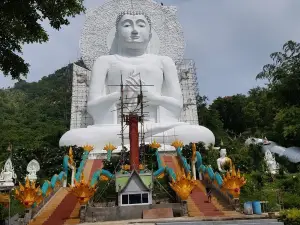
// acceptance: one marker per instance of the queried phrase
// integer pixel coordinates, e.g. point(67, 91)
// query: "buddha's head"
point(223, 152)
point(133, 30)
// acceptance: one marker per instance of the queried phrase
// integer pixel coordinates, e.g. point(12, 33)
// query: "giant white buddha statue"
point(134, 64)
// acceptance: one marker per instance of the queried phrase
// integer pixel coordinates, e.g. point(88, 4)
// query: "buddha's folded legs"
point(100, 135)
point(186, 133)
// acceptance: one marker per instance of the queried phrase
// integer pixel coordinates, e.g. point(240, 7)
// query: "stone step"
point(72, 221)
point(49, 208)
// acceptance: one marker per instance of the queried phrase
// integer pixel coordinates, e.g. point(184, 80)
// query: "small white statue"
point(273, 166)
point(223, 160)
point(7, 174)
point(32, 168)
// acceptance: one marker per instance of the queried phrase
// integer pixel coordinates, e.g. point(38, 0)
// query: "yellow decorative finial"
point(126, 167)
point(82, 190)
point(183, 185)
point(233, 181)
point(70, 152)
point(71, 156)
point(104, 178)
point(29, 194)
point(193, 151)
point(141, 167)
point(177, 144)
point(109, 147)
point(88, 148)
point(155, 145)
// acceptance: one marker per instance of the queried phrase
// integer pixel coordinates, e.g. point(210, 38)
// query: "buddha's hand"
point(134, 84)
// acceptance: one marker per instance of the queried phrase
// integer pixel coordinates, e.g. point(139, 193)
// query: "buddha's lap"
point(110, 133)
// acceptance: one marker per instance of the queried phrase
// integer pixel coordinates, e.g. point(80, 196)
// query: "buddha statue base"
point(7, 184)
point(98, 136)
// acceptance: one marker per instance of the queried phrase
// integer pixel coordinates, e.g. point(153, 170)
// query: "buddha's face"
point(223, 152)
point(133, 31)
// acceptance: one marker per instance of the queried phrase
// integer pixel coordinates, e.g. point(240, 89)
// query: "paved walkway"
point(176, 219)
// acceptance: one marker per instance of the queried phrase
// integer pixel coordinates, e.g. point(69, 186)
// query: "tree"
point(20, 23)
point(283, 75)
point(210, 118)
point(284, 88)
point(287, 124)
point(260, 110)
point(231, 112)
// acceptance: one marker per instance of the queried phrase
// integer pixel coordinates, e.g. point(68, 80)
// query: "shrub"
point(290, 217)
point(291, 200)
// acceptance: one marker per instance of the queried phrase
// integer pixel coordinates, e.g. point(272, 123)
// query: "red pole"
point(134, 142)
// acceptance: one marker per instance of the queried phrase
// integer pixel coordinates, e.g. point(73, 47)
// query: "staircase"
point(62, 211)
point(63, 208)
point(228, 222)
point(169, 161)
point(49, 208)
point(197, 202)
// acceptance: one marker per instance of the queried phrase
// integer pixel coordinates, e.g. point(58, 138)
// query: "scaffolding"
point(131, 107)
point(189, 86)
point(79, 115)
point(81, 78)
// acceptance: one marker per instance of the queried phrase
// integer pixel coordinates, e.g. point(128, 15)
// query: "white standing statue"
point(273, 166)
point(136, 41)
point(223, 160)
point(32, 168)
point(7, 175)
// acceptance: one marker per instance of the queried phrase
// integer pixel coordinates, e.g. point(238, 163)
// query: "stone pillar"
point(194, 170)
point(134, 141)
point(65, 182)
point(200, 176)
point(73, 176)
point(82, 213)
point(184, 208)
point(28, 216)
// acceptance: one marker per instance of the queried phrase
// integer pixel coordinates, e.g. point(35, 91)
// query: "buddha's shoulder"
point(162, 58)
point(105, 58)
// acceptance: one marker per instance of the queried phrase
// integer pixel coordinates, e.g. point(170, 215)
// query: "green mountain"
point(34, 115)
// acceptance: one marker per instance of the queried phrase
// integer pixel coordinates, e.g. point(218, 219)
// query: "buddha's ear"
point(150, 36)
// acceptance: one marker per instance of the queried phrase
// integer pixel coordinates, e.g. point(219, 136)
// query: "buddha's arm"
point(171, 97)
point(99, 102)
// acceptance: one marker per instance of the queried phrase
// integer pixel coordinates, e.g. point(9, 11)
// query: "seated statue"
point(32, 168)
point(7, 174)
point(224, 162)
point(134, 65)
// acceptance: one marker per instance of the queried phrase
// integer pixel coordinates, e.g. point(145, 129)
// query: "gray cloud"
point(229, 40)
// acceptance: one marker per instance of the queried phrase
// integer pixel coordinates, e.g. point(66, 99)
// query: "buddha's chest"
point(224, 160)
point(150, 72)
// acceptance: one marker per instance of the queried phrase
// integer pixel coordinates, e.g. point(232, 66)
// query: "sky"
point(230, 41)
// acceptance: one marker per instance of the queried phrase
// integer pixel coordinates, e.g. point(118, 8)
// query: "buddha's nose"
point(134, 31)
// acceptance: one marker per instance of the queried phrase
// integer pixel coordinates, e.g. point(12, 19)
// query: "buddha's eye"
point(141, 25)
point(126, 25)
